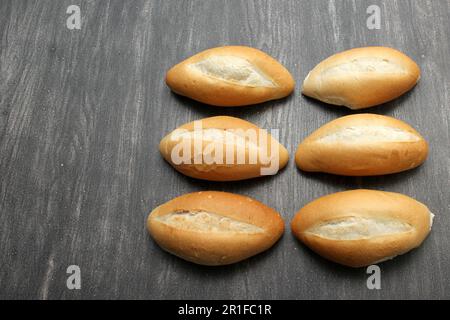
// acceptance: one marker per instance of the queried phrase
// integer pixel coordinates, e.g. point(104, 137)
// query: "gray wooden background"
point(82, 113)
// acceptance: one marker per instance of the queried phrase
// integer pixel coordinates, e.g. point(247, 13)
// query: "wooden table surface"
point(82, 113)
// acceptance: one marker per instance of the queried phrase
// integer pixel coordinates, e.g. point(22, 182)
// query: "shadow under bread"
point(244, 112)
point(399, 264)
point(199, 271)
point(238, 186)
point(386, 108)
point(380, 182)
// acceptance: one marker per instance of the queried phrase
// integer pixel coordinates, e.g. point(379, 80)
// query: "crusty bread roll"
point(223, 149)
point(362, 145)
point(214, 228)
point(362, 227)
point(362, 77)
point(230, 76)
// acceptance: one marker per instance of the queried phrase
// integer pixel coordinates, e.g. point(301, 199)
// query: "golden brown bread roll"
point(362, 145)
point(214, 228)
point(362, 77)
point(223, 149)
point(230, 76)
point(362, 227)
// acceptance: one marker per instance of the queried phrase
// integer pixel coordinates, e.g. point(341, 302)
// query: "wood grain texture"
point(82, 113)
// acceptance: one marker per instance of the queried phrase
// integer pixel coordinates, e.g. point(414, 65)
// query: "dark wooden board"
point(82, 113)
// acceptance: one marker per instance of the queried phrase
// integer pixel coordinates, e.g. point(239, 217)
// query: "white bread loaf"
point(362, 145)
point(214, 228)
point(362, 77)
point(253, 152)
point(230, 76)
point(362, 227)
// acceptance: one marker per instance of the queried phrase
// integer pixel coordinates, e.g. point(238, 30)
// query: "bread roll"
point(223, 149)
point(362, 77)
point(362, 227)
point(230, 76)
point(214, 228)
point(362, 145)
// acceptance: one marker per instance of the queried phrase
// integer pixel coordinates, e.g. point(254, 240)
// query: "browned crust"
point(375, 158)
point(368, 89)
point(362, 203)
point(220, 93)
point(217, 248)
point(232, 172)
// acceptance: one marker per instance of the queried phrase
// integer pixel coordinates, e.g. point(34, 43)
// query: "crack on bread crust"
point(359, 228)
point(233, 69)
point(203, 221)
point(357, 134)
point(365, 65)
point(224, 135)
point(225, 147)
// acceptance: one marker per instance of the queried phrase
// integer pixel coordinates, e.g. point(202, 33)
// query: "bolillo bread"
point(362, 145)
point(230, 76)
point(362, 77)
point(362, 227)
point(214, 228)
point(223, 149)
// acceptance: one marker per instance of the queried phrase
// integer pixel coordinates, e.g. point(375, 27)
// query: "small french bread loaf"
point(214, 228)
point(223, 149)
point(230, 76)
point(362, 145)
point(362, 77)
point(362, 227)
